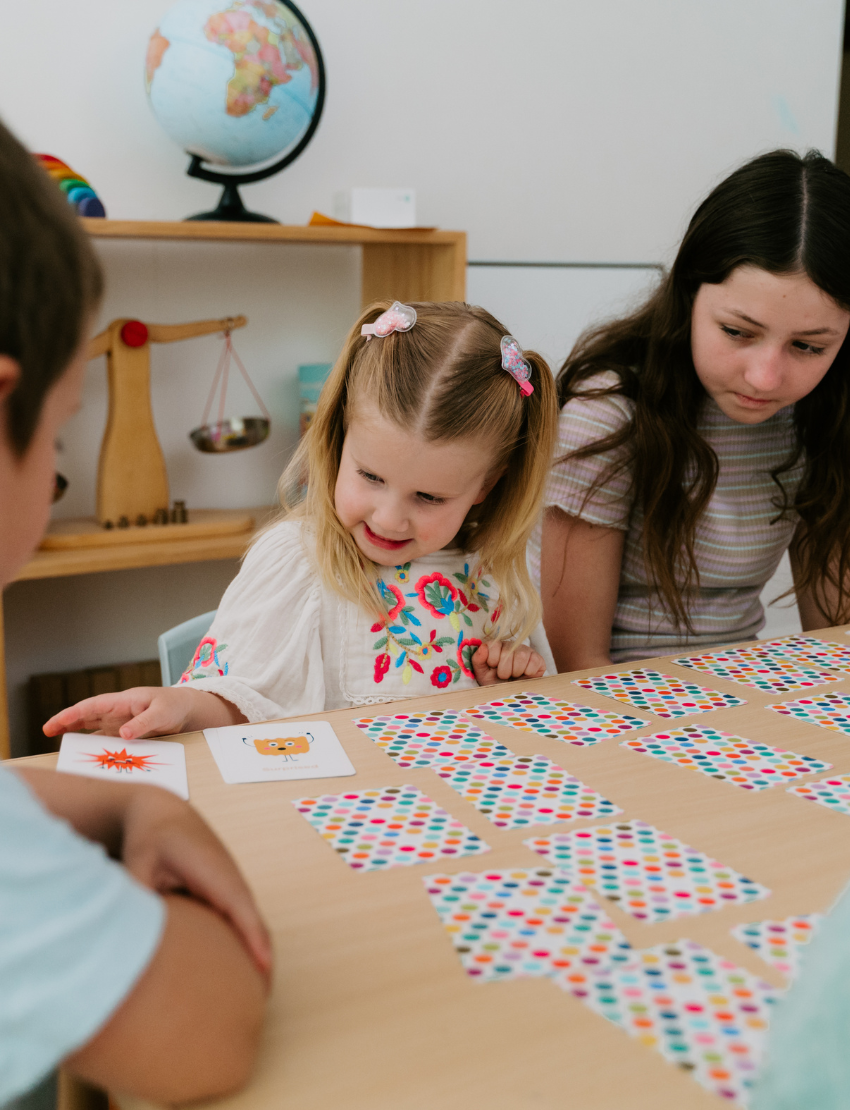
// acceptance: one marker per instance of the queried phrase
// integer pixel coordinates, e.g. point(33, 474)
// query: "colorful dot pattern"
point(649, 874)
point(524, 790)
point(759, 669)
point(830, 711)
point(376, 829)
point(809, 651)
point(510, 924)
point(780, 943)
point(559, 720)
point(833, 793)
point(659, 693)
point(428, 739)
point(724, 756)
point(701, 1012)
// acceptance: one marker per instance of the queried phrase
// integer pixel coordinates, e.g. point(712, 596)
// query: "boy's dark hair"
point(50, 279)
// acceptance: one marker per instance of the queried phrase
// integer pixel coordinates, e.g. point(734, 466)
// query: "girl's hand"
point(146, 711)
point(500, 662)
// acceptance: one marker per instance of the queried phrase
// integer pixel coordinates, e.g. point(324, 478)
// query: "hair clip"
point(515, 364)
point(398, 317)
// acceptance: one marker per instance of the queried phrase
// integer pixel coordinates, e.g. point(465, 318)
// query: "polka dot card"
point(650, 875)
point(659, 693)
point(724, 756)
point(701, 1012)
point(780, 943)
point(810, 651)
point(560, 720)
point(833, 793)
point(376, 829)
point(524, 790)
point(758, 669)
point(827, 710)
point(425, 739)
point(509, 924)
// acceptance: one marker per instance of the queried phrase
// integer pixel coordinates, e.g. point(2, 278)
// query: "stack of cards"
point(649, 874)
point(780, 943)
point(560, 720)
point(505, 924)
point(277, 752)
point(157, 762)
point(758, 668)
point(659, 693)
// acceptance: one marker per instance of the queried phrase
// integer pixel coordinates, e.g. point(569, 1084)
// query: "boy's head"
point(50, 286)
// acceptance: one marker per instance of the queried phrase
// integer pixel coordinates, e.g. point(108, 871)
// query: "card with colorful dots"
point(510, 924)
point(521, 790)
point(759, 669)
point(833, 793)
point(701, 1012)
point(649, 874)
point(426, 739)
point(659, 693)
point(559, 720)
point(780, 943)
point(809, 650)
point(830, 711)
point(376, 829)
point(724, 756)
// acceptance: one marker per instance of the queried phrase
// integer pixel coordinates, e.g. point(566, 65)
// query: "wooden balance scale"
point(132, 480)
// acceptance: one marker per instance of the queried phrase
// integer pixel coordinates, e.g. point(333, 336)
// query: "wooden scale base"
point(63, 535)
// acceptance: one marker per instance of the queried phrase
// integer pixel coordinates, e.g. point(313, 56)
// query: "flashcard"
point(759, 669)
point(659, 693)
point(810, 651)
point(724, 756)
point(780, 943)
point(649, 874)
point(701, 1012)
point(524, 790)
point(278, 751)
point(833, 793)
point(160, 762)
point(376, 829)
point(560, 720)
point(510, 924)
point(830, 711)
point(425, 739)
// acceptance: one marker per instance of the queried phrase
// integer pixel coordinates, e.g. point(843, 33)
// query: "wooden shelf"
point(264, 233)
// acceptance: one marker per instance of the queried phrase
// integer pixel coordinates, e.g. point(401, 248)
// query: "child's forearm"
point(210, 711)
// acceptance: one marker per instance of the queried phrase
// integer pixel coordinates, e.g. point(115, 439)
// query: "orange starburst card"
point(159, 762)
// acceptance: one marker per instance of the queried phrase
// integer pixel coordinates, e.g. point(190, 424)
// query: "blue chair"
point(178, 644)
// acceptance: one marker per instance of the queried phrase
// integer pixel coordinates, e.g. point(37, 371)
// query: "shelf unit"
point(407, 265)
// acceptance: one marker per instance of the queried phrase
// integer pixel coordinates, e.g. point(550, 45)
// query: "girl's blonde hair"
point(442, 381)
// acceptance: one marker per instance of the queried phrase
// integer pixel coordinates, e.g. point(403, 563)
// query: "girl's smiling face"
point(761, 341)
point(402, 497)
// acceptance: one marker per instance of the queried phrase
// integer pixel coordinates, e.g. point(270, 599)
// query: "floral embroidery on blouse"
point(206, 662)
point(400, 646)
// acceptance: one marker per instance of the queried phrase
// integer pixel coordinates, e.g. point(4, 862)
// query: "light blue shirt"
point(807, 1065)
point(76, 931)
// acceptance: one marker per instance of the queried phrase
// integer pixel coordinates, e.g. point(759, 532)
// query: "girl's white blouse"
point(282, 644)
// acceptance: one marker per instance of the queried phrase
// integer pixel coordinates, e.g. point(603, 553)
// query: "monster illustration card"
point(280, 750)
point(161, 762)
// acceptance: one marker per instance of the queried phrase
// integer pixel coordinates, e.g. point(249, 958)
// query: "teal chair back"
point(178, 644)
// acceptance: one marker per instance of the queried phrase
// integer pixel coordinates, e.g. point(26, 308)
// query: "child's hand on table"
point(146, 711)
point(500, 662)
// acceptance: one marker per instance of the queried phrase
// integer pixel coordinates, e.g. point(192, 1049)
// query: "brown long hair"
point(785, 214)
point(442, 380)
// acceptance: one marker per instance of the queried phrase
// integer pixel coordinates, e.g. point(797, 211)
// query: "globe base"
point(230, 209)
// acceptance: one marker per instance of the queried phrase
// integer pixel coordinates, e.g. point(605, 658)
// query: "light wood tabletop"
point(371, 1008)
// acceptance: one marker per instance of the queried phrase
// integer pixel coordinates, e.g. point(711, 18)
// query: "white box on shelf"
point(376, 207)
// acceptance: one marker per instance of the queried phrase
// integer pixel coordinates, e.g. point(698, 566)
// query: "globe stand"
point(231, 209)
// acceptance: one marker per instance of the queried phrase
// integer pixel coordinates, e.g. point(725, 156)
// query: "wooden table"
point(371, 1008)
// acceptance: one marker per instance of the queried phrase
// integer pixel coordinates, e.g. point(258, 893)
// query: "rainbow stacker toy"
point(76, 188)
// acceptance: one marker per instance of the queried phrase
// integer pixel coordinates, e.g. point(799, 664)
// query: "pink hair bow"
point(515, 364)
point(398, 317)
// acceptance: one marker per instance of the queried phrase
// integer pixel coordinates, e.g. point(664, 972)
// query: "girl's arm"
point(579, 583)
point(812, 616)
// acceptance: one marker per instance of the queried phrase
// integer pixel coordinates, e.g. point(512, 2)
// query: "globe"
point(238, 84)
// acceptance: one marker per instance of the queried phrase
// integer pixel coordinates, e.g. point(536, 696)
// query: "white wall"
point(558, 131)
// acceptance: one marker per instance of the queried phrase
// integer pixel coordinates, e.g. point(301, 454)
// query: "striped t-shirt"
point(737, 548)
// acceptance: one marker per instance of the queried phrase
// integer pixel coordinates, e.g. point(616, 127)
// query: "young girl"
point(402, 571)
point(707, 433)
